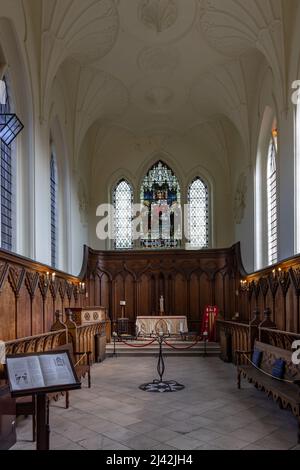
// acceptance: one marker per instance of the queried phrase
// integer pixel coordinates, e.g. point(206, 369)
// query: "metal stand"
point(42, 422)
point(205, 336)
point(161, 386)
point(114, 337)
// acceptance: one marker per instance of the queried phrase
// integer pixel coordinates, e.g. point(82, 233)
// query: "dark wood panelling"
point(277, 288)
point(188, 280)
point(27, 305)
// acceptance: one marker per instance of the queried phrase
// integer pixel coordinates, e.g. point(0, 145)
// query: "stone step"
point(211, 349)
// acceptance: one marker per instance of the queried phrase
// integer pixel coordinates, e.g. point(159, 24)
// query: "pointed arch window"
point(123, 200)
point(272, 198)
point(53, 209)
point(160, 199)
point(7, 184)
point(198, 207)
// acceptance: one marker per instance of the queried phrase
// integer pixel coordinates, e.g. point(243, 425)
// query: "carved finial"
point(58, 315)
point(267, 321)
point(69, 315)
point(58, 324)
point(256, 318)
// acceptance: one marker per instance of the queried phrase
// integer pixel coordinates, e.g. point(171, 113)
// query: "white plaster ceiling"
point(159, 64)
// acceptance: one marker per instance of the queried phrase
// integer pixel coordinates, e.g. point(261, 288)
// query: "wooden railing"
point(38, 343)
point(82, 337)
point(280, 339)
point(85, 337)
point(234, 337)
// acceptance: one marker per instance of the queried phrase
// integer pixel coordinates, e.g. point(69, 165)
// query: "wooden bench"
point(286, 391)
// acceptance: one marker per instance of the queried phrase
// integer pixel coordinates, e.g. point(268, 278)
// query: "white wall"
point(93, 153)
point(120, 154)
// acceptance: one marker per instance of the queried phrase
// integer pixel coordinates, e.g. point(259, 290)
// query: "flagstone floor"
point(209, 414)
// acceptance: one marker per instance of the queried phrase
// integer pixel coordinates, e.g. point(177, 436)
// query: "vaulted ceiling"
point(160, 65)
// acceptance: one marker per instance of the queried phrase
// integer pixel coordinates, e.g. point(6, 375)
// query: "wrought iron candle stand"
point(161, 386)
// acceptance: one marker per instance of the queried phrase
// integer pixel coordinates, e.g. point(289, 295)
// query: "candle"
point(53, 277)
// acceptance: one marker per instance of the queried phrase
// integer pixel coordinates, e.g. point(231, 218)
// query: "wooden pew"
point(286, 391)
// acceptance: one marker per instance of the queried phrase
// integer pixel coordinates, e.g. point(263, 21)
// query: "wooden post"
point(43, 430)
point(72, 329)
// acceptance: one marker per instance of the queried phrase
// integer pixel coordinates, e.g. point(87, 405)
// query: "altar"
point(145, 326)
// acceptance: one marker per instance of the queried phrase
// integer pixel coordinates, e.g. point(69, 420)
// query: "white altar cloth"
point(151, 324)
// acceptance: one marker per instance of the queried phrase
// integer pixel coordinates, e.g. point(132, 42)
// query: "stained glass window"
point(123, 199)
point(198, 207)
point(160, 198)
point(272, 199)
point(7, 225)
point(53, 199)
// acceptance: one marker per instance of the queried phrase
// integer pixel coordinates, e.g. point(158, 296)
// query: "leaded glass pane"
point(198, 214)
point(6, 187)
point(160, 198)
point(272, 202)
point(123, 199)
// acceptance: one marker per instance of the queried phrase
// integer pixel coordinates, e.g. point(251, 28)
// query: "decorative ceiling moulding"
point(232, 27)
point(158, 59)
point(87, 29)
point(157, 21)
point(158, 97)
point(84, 30)
point(152, 143)
point(158, 15)
point(240, 199)
point(100, 96)
point(222, 91)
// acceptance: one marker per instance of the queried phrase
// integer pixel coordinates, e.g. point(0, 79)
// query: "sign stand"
point(42, 422)
point(41, 374)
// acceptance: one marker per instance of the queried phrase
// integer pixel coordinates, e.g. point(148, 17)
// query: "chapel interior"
point(150, 225)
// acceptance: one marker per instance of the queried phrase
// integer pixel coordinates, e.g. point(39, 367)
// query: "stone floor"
point(210, 413)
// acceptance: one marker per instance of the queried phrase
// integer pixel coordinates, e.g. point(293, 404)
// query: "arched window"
point(272, 199)
point(53, 208)
point(198, 210)
point(7, 186)
point(161, 214)
point(123, 199)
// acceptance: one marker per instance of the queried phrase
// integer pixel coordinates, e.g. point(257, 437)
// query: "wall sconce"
point(49, 279)
point(278, 273)
point(244, 286)
point(283, 277)
point(82, 288)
